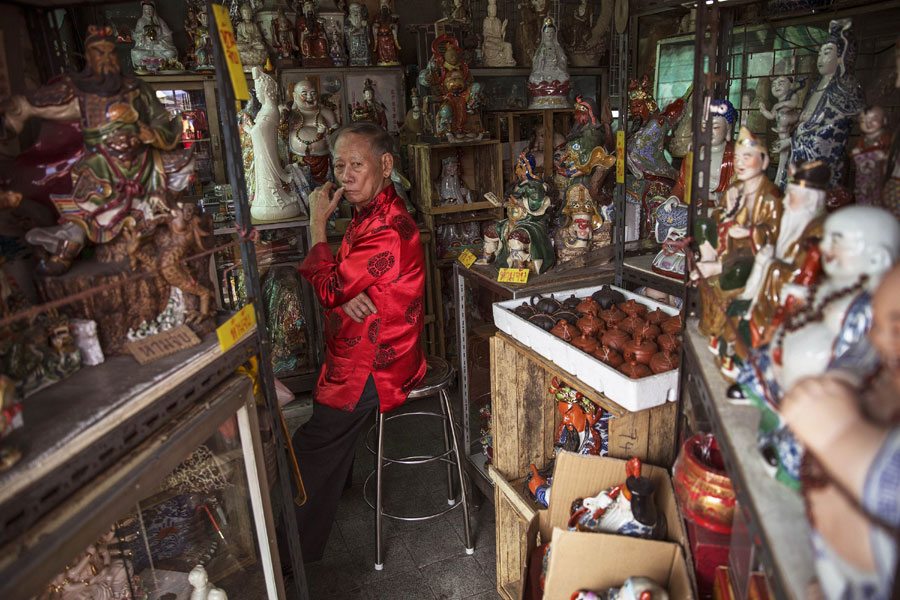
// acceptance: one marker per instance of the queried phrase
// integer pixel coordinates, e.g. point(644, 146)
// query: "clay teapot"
point(543, 321)
point(631, 324)
point(635, 370)
point(672, 325)
point(607, 297)
point(640, 350)
point(612, 315)
point(565, 331)
point(591, 325)
point(588, 305)
point(571, 303)
point(609, 356)
point(566, 315)
point(663, 361)
point(668, 342)
point(647, 330)
point(586, 343)
point(548, 306)
point(632, 308)
point(656, 316)
point(615, 338)
point(524, 310)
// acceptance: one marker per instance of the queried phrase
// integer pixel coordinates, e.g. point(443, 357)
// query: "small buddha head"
point(305, 94)
point(872, 120)
point(724, 117)
point(859, 240)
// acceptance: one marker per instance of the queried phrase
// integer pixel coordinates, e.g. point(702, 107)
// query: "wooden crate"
point(525, 417)
point(513, 513)
point(552, 121)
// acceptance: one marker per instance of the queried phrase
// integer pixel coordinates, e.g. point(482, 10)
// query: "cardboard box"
point(577, 476)
point(599, 561)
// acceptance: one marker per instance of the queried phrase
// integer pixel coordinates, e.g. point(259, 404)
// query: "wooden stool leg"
point(451, 496)
point(445, 399)
point(379, 563)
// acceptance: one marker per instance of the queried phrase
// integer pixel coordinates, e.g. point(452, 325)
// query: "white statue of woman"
point(250, 42)
point(496, 51)
point(272, 200)
point(549, 82)
point(152, 40)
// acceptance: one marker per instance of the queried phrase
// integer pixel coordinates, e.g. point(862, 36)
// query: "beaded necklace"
point(320, 135)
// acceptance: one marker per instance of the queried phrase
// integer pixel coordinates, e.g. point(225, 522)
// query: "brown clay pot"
point(588, 306)
point(612, 315)
point(615, 338)
point(524, 310)
point(648, 331)
point(568, 315)
point(607, 297)
point(571, 302)
point(545, 305)
point(640, 350)
point(543, 321)
point(672, 325)
point(635, 370)
point(631, 324)
point(565, 331)
point(663, 361)
point(591, 325)
point(586, 343)
point(632, 308)
point(668, 342)
point(656, 316)
point(609, 356)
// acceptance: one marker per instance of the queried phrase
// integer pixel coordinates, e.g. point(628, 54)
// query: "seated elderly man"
point(372, 294)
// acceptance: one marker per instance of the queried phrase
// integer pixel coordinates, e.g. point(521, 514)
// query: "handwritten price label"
point(466, 258)
point(232, 56)
point(620, 157)
point(513, 275)
point(234, 328)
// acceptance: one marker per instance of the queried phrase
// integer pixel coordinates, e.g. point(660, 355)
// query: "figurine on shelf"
point(458, 117)
point(250, 42)
point(412, 124)
point(870, 156)
point(129, 164)
point(153, 46)
point(794, 259)
point(583, 159)
point(191, 26)
point(356, 30)
point(826, 331)
point(582, 219)
point(454, 10)
point(384, 29)
point(831, 105)
point(313, 45)
point(495, 50)
point(203, 589)
point(549, 84)
point(335, 43)
point(786, 113)
point(272, 200)
point(201, 42)
point(588, 39)
point(284, 36)
point(528, 31)
point(369, 109)
point(748, 219)
point(526, 207)
point(307, 129)
point(452, 191)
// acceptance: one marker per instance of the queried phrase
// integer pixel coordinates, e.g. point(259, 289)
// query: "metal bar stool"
point(437, 381)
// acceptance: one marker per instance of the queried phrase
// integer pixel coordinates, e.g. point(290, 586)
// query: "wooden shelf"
point(639, 270)
point(455, 208)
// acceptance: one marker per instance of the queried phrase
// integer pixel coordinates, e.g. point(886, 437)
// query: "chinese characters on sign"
point(234, 328)
point(466, 258)
point(232, 57)
point(513, 276)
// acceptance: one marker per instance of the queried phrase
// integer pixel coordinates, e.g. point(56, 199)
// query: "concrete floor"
point(422, 560)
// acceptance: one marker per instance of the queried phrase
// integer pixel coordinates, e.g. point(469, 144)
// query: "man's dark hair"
point(379, 139)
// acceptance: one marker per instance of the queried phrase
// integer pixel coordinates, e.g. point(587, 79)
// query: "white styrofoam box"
point(630, 394)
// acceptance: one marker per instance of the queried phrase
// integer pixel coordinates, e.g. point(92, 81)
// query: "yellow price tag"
point(688, 177)
point(236, 327)
point(513, 275)
point(466, 258)
point(229, 47)
point(620, 157)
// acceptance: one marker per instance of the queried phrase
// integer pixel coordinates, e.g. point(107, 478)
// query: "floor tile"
point(491, 595)
point(407, 586)
point(456, 578)
point(433, 543)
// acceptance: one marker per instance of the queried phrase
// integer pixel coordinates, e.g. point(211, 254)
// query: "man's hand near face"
point(359, 308)
point(322, 203)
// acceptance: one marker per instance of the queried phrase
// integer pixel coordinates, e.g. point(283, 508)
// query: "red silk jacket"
point(382, 255)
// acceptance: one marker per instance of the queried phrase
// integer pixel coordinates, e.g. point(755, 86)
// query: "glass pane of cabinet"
point(190, 106)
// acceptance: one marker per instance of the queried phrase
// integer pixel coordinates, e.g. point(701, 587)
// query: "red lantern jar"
point(702, 485)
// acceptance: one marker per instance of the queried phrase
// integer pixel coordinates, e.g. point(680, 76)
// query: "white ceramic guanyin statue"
point(549, 84)
point(153, 45)
point(250, 42)
point(496, 51)
point(203, 589)
point(272, 200)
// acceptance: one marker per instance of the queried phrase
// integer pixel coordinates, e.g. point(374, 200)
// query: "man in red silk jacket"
point(372, 294)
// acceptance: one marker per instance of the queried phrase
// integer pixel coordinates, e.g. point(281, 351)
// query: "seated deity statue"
point(153, 45)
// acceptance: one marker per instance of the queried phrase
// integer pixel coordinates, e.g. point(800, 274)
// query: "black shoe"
point(736, 392)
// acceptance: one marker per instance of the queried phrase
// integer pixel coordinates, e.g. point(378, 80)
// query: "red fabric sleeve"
point(373, 257)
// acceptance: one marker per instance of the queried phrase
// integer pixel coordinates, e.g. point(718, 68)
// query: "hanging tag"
point(688, 177)
point(234, 328)
point(513, 275)
point(232, 56)
point(466, 258)
point(620, 157)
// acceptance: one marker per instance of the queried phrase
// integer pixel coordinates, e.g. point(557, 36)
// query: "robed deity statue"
point(250, 42)
point(153, 45)
point(131, 164)
point(284, 36)
point(447, 74)
point(356, 30)
point(313, 43)
point(307, 128)
point(549, 84)
point(495, 50)
point(831, 106)
point(384, 30)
